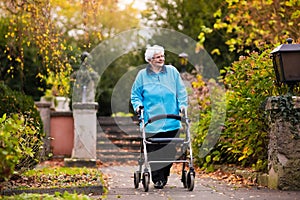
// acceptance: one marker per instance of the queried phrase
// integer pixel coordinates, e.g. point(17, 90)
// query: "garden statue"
point(84, 115)
point(86, 80)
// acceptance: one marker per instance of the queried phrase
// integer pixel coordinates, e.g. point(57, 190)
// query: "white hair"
point(150, 51)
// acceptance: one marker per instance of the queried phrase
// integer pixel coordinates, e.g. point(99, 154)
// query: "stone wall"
point(284, 145)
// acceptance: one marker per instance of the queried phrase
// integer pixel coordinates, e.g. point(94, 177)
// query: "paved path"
point(121, 187)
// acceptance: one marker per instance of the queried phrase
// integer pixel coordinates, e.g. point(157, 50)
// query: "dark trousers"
point(161, 152)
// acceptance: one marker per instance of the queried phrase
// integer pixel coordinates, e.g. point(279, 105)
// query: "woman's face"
point(158, 60)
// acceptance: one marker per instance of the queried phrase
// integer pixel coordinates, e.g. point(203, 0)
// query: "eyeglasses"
point(158, 57)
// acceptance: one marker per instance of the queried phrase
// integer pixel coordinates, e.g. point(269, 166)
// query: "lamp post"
point(286, 63)
point(183, 60)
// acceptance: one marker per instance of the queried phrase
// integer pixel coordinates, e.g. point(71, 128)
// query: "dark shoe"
point(159, 185)
point(165, 181)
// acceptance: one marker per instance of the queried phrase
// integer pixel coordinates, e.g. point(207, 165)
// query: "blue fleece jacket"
point(160, 93)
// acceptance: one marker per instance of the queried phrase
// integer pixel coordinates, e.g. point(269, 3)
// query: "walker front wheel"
point(183, 178)
point(137, 179)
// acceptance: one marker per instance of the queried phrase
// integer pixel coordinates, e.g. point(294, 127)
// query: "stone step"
point(118, 137)
point(124, 152)
point(118, 126)
point(119, 142)
point(105, 157)
point(117, 151)
point(119, 130)
point(118, 158)
point(108, 146)
point(117, 155)
point(118, 120)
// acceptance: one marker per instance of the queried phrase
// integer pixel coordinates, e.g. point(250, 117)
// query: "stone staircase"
point(118, 139)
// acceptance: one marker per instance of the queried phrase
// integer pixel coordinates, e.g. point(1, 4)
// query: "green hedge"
point(21, 123)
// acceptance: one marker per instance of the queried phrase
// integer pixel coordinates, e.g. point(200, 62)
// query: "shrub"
point(244, 140)
point(15, 135)
point(210, 99)
point(11, 103)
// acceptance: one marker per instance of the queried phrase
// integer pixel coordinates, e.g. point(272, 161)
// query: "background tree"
point(42, 40)
point(87, 23)
point(249, 24)
point(190, 17)
point(31, 40)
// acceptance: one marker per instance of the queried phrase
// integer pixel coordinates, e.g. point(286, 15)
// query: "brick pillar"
point(284, 144)
point(44, 109)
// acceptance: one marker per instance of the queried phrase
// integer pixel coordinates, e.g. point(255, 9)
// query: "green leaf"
point(208, 159)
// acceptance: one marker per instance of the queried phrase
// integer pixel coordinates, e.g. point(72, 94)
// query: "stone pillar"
point(284, 143)
point(85, 138)
point(44, 109)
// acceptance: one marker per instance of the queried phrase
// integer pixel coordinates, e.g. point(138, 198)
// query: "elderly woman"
point(160, 89)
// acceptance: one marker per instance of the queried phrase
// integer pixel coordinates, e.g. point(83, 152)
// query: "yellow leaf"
point(215, 51)
point(242, 158)
point(18, 60)
point(218, 13)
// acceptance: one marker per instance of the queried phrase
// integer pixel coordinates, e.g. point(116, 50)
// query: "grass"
point(57, 196)
point(54, 177)
point(57, 177)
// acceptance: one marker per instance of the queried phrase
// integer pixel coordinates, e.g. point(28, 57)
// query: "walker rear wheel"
point(146, 181)
point(190, 181)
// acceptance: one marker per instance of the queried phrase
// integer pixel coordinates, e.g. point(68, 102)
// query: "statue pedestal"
point(85, 135)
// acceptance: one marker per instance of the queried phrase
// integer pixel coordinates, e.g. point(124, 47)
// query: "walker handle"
point(163, 116)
